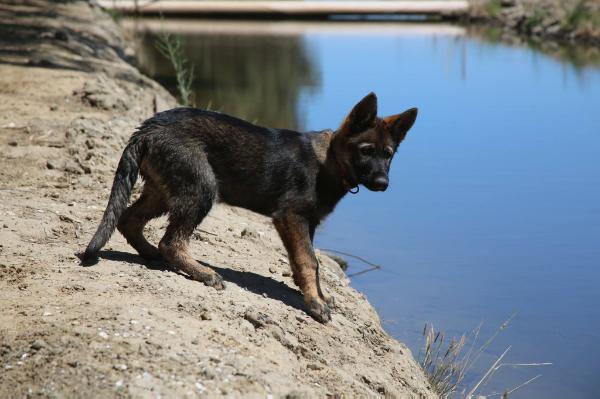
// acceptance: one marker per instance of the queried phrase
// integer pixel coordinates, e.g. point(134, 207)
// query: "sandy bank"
point(68, 102)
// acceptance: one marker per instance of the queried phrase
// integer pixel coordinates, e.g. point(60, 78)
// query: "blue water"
point(494, 202)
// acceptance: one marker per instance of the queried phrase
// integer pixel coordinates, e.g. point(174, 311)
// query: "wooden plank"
point(191, 26)
point(290, 8)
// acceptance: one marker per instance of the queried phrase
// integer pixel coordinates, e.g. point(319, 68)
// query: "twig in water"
point(522, 385)
point(370, 269)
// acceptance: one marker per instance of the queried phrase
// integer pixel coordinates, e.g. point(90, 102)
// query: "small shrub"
point(171, 47)
point(576, 15)
point(583, 16)
point(536, 18)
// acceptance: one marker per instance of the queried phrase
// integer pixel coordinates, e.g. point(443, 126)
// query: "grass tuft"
point(442, 364)
point(447, 365)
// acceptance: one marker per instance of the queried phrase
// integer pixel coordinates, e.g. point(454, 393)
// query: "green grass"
point(576, 15)
point(493, 7)
point(536, 18)
point(582, 15)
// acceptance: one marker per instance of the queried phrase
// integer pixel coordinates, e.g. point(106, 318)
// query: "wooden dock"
point(291, 28)
point(290, 8)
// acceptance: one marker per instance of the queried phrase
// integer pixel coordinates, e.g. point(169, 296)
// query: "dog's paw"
point(319, 311)
point(214, 280)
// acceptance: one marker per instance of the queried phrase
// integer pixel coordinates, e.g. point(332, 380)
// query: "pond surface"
point(494, 203)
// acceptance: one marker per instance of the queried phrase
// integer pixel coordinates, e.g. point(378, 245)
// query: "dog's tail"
point(125, 178)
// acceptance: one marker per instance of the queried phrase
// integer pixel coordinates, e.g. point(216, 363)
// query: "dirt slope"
point(68, 102)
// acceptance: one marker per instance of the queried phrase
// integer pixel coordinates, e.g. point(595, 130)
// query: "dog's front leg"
point(294, 231)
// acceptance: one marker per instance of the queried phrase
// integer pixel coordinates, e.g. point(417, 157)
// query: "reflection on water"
point(578, 57)
point(494, 203)
point(256, 77)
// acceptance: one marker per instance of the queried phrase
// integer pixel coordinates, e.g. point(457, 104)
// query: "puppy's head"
point(364, 145)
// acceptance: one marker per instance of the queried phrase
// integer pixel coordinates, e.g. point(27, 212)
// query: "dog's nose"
point(380, 183)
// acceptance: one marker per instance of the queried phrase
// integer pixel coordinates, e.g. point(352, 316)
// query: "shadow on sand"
point(250, 281)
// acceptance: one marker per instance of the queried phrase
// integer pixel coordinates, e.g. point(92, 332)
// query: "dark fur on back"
point(257, 168)
point(190, 157)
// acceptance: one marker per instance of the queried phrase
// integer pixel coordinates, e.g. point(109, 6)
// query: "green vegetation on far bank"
point(575, 21)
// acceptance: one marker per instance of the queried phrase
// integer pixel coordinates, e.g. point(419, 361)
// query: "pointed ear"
point(400, 124)
point(363, 114)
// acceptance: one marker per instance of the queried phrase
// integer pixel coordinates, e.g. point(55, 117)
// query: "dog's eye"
point(367, 150)
point(388, 154)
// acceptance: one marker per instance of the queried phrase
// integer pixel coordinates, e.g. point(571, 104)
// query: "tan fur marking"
point(177, 253)
point(320, 145)
point(295, 236)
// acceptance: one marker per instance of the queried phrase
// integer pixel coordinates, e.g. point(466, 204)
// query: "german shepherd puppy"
point(189, 158)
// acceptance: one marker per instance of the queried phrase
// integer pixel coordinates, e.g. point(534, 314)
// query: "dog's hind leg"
point(174, 245)
point(192, 191)
point(150, 205)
